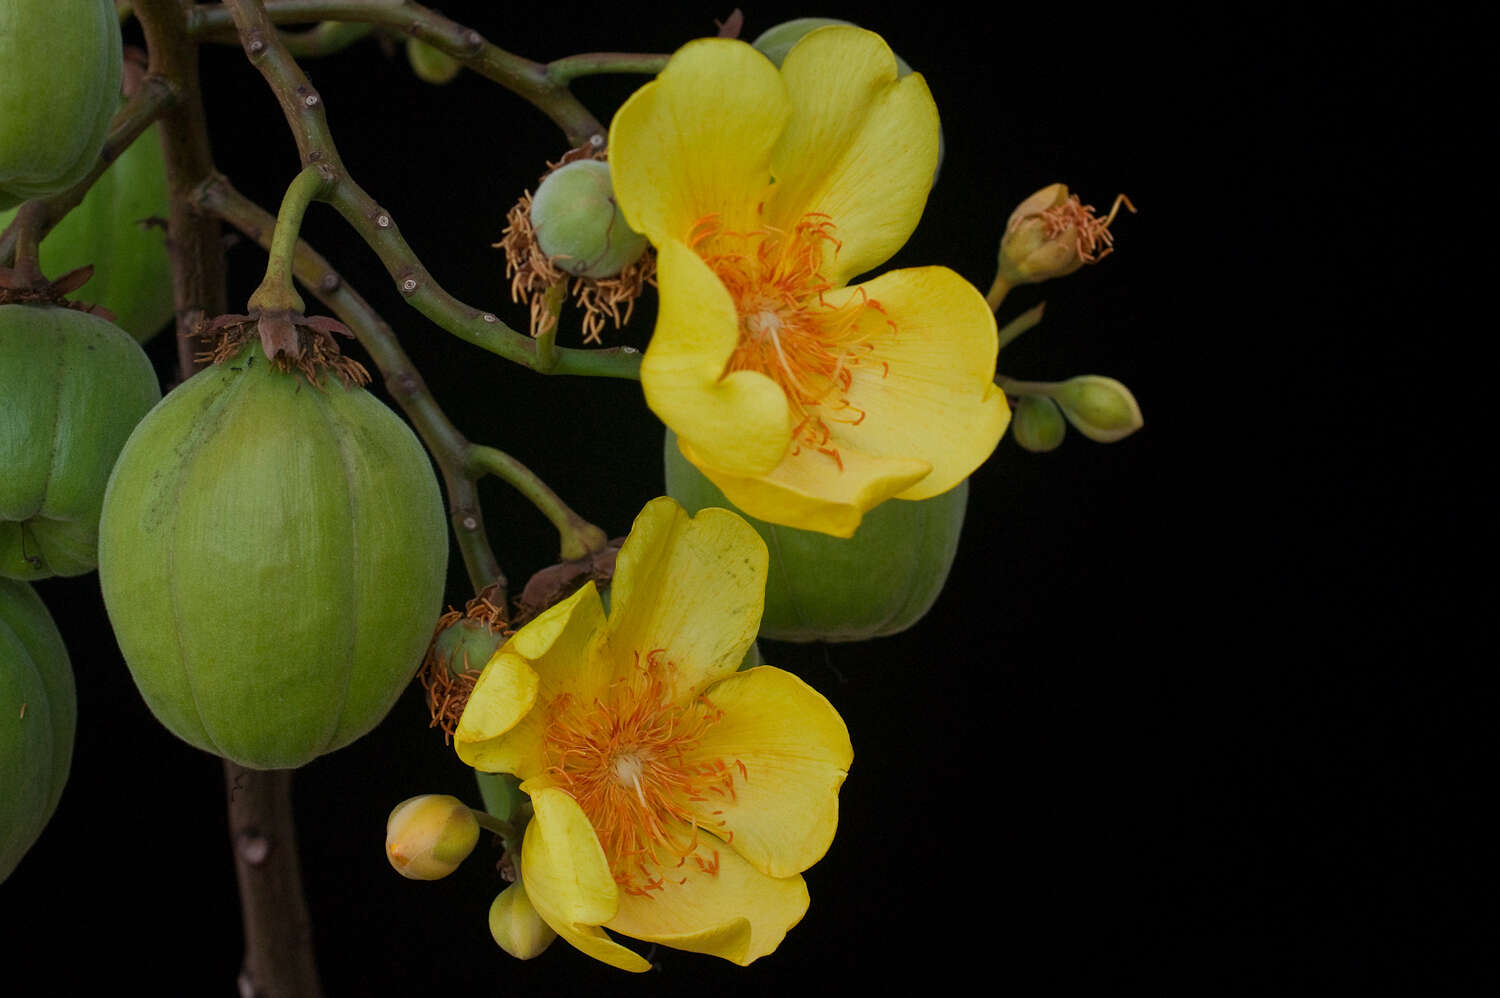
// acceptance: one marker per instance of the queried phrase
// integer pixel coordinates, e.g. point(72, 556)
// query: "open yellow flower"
point(805, 400)
point(675, 799)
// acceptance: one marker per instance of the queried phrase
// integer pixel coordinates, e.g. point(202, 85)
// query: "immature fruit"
point(430, 64)
point(272, 556)
point(113, 230)
point(821, 588)
point(38, 715)
point(72, 387)
point(579, 225)
point(59, 87)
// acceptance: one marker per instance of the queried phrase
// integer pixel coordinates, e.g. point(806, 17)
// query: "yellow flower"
point(806, 401)
point(675, 800)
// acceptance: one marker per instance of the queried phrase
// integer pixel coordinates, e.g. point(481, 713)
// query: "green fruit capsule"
point(112, 230)
point(38, 716)
point(579, 225)
point(879, 582)
point(72, 387)
point(272, 556)
point(59, 89)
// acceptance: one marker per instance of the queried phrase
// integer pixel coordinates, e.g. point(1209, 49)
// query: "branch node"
point(409, 285)
point(382, 220)
point(330, 282)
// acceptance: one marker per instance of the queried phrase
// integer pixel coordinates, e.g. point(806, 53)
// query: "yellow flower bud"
point(1051, 234)
point(1038, 424)
point(1100, 408)
point(427, 837)
point(516, 926)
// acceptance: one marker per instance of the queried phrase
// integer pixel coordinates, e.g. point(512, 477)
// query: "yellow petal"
point(562, 863)
point(795, 751)
point(741, 419)
point(810, 491)
point(516, 926)
point(562, 651)
point(861, 146)
point(567, 878)
point(697, 141)
point(927, 388)
point(737, 913)
point(694, 586)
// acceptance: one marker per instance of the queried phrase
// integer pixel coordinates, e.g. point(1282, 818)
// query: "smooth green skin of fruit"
point(59, 88)
point(36, 746)
point(820, 588)
point(578, 223)
point(72, 387)
point(272, 557)
point(132, 272)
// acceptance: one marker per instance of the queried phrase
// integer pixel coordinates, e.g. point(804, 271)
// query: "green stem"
point(546, 340)
point(997, 292)
point(327, 38)
point(578, 537)
point(1020, 324)
point(155, 96)
point(566, 70)
point(527, 79)
point(490, 823)
point(446, 444)
point(276, 291)
point(1046, 389)
point(304, 112)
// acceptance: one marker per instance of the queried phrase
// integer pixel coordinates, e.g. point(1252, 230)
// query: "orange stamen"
point(1092, 231)
point(629, 759)
point(788, 331)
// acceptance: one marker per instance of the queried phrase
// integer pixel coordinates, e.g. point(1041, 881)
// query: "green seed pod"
point(430, 64)
point(579, 225)
point(1038, 424)
point(38, 715)
point(466, 644)
point(58, 91)
point(110, 229)
point(820, 588)
point(1100, 408)
point(72, 387)
point(272, 557)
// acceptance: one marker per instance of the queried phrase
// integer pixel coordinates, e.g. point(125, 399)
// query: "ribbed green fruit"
point(72, 387)
point(132, 272)
point(821, 588)
point(59, 87)
point(38, 715)
point(272, 557)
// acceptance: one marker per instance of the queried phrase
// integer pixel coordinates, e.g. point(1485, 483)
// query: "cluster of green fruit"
point(272, 553)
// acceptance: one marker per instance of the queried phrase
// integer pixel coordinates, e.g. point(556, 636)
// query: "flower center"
point(629, 760)
point(788, 331)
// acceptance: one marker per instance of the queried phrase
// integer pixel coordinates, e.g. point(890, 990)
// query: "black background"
point(1162, 730)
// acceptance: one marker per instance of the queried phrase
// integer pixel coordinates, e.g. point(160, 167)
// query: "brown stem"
point(278, 945)
point(278, 932)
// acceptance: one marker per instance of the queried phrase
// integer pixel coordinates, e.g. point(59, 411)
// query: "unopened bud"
point(579, 225)
point(430, 64)
point(1038, 424)
point(516, 926)
point(466, 645)
point(427, 837)
point(1100, 408)
point(1051, 234)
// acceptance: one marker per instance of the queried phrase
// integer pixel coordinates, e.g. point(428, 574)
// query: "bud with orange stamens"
point(1051, 234)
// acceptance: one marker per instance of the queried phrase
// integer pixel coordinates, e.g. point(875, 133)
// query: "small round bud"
point(516, 926)
point(1100, 408)
point(579, 225)
point(430, 64)
point(1038, 424)
point(466, 644)
point(427, 837)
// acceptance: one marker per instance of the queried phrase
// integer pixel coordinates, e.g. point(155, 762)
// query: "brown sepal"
point(556, 583)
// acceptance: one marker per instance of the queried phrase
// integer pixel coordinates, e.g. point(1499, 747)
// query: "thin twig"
point(303, 107)
point(527, 79)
